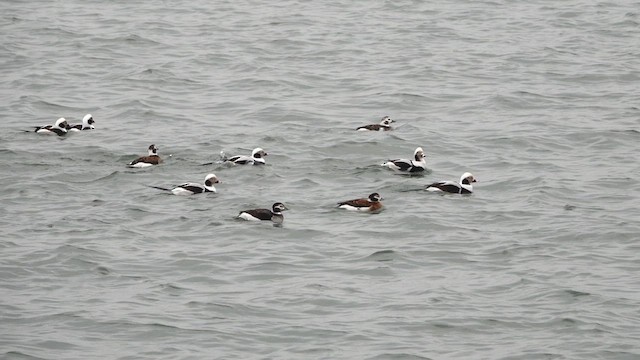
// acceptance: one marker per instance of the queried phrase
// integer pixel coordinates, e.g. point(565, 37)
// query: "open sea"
point(539, 99)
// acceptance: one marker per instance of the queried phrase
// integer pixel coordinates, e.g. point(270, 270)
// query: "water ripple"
point(535, 99)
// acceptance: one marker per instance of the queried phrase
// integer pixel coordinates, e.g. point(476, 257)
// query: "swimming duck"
point(418, 164)
point(256, 158)
point(87, 124)
point(59, 128)
point(372, 203)
point(275, 214)
point(146, 161)
point(384, 125)
point(194, 188)
point(463, 187)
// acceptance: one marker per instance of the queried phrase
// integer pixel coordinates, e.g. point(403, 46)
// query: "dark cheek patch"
point(208, 183)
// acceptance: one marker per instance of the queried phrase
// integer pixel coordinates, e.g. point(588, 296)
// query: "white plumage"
point(87, 124)
point(195, 188)
point(256, 158)
point(463, 187)
point(59, 128)
point(418, 164)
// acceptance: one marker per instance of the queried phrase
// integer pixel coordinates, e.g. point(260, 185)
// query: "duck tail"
point(158, 187)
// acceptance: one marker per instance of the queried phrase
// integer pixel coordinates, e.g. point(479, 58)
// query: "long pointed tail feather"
point(159, 188)
point(412, 189)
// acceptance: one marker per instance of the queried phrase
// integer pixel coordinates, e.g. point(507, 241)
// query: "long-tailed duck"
point(59, 128)
point(372, 203)
point(385, 125)
point(87, 124)
point(463, 187)
point(418, 164)
point(194, 188)
point(274, 215)
point(149, 160)
point(256, 158)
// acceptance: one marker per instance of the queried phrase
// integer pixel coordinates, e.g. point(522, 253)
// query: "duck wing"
point(356, 203)
point(446, 186)
point(240, 159)
point(262, 214)
point(401, 164)
point(372, 127)
point(194, 188)
point(153, 159)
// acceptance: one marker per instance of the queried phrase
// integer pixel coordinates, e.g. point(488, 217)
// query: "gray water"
point(538, 99)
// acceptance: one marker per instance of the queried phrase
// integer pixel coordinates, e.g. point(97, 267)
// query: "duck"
point(384, 125)
point(369, 204)
point(87, 124)
point(59, 128)
point(256, 158)
point(146, 161)
point(190, 188)
point(275, 214)
point(418, 164)
point(463, 187)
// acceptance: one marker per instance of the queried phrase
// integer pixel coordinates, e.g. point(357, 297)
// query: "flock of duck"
point(372, 203)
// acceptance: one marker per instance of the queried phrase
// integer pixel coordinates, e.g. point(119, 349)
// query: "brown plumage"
point(372, 203)
point(149, 160)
